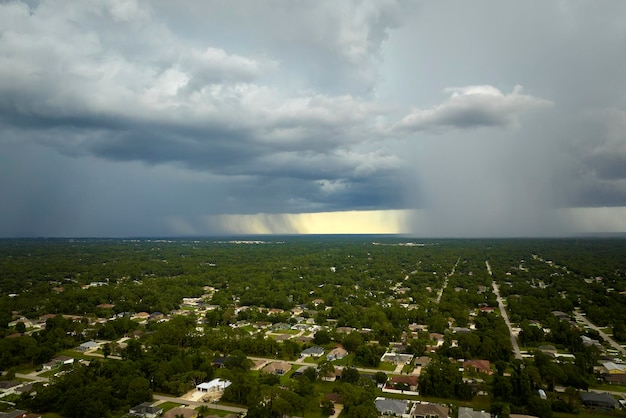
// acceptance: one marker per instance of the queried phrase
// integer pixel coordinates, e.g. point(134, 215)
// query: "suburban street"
point(516, 351)
point(581, 317)
point(187, 402)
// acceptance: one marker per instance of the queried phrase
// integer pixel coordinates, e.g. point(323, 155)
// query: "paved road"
point(580, 317)
point(445, 282)
point(516, 351)
point(32, 376)
point(195, 403)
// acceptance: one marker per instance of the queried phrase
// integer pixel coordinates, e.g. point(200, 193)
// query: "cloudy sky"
point(441, 118)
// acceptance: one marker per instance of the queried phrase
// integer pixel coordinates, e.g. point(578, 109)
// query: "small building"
point(58, 362)
point(300, 371)
point(392, 407)
point(277, 367)
point(337, 353)
point(16, 413)
point(422, 361)
point(8, 385)
point(479, 366)
point(145, 410)
point(312, 352)
point(598, 400)
point(219, 362)
point(181, 412)
point(397, 358)
point(404, 382)
point(430, 410)
point(89, 345)
point(215, 385)
point(465, 412)
point(614, 368)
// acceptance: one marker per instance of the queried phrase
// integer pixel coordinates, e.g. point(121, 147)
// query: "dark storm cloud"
point(132, 112)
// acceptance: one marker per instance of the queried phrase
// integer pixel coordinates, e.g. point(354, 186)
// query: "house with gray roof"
point(312, 352)
point(465, 412)
point(599, 400)
point(89, 345)
point(392, 407)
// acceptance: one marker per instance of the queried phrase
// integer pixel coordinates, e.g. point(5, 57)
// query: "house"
point(141, 315)
point(598, 400)
point(465, 412)
point(430, 410)
point(334, 397)
point(614, 368)
point(219, 362)
point(215, 385)
point(157, 315)
point(404, 382)
point(422, 361)
point(300, 371)
point(312, 352)
point(281, 326)
point(89, 345)
point(397, 358)
point(277, 367)
point(16, 413)
point(392, 407)
point(337, 353)
point(145, 410)
point(181, 412)
point(480, 366)
point(58, 362)
point(8, 385)
point(334, 375)
point(615, 379)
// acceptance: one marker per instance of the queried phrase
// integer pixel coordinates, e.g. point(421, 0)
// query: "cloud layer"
point(473, 107)
point(137, 117)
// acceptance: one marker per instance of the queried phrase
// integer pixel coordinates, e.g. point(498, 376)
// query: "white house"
point(215, 385)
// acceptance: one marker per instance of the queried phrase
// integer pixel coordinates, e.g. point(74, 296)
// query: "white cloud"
point(473, 107)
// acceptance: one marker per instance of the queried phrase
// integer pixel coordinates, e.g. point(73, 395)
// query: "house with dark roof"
point(430, 410)
point(145, 410)
point(403, 382)
point(16, 413)
point(219, 362)
point(300, 371)
point(598, 400)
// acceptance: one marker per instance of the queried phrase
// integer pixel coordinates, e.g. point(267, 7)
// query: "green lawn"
point(285, 331)
point(168, 405)
point(386, 366)
point(611, 388)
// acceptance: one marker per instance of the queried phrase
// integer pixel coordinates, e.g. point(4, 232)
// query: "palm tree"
point(203, 410)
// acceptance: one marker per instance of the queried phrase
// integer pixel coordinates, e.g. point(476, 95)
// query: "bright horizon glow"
point(346, 222)
point(399, 221)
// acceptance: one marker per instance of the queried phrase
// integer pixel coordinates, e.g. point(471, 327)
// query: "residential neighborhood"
point(462, 352)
